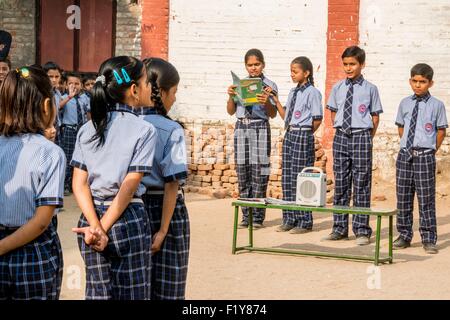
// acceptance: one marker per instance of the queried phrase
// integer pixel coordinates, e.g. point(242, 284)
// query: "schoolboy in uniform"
point(75, 111)
point(422, 124)
point(355, 107)
point(54, 73)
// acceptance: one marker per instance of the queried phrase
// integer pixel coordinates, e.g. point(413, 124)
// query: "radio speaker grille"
point(308, 189)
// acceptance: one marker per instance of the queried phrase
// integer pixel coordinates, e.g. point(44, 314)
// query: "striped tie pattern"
point(412, 128)
point(79, 113)
point(291, 108)
point(347, 120)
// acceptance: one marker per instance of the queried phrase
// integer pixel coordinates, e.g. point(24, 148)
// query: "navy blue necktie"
point(347, 119)
point(412, 128)
point(287, 121)
point(79, 113)
point(248, 111)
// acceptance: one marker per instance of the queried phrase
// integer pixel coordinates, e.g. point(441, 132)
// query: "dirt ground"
point(214, 273)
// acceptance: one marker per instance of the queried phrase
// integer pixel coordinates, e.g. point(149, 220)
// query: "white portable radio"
point(311, 187)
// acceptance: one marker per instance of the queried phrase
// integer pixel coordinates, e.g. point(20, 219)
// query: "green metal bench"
point(379, 213)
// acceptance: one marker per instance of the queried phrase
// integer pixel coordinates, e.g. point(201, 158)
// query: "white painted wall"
point(208, 38)
point(398, 34)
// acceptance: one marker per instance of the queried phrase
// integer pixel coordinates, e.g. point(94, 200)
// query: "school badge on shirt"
point(362, 109)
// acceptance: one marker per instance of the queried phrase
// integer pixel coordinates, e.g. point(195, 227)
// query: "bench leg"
point(391, 232)
point(236, 214)
point(250, 226)
point(377, 241)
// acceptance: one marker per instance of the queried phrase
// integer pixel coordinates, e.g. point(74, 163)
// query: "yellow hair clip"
point(24, 72)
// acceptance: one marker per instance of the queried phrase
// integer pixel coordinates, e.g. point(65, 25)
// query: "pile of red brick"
point(210, 150)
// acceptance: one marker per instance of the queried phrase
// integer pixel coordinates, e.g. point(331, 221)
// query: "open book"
point(247, 89)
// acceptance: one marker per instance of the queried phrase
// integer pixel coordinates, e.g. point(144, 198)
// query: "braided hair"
point(306, 65)
point(162, 75)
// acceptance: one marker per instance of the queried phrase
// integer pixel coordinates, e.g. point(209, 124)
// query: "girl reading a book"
point(252, 137)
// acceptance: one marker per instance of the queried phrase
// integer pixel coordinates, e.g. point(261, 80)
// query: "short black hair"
point(50, 65)
point(422, 69)
point(7, 61)
point(88, 76)
point(355, 52)
point(73, 75)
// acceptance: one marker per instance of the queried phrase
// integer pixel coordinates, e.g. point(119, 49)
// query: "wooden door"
point(81, 49)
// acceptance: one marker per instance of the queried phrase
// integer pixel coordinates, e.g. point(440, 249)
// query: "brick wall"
point(343, 20)
point(155, 28)
point(128, 28)
point(397, 35)
point(207, 41)
point(18, 17)
point(212, 171)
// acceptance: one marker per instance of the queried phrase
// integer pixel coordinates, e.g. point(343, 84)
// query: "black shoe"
point(401, 243)
point(430, 248)
point(362, 240)
point(243, 225)
point(283, 228)
point(257, 225)
point(334, 236)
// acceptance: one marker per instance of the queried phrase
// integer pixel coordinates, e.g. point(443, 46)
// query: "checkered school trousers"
point(170, 264)
point(123, 270)
point(417, 175)
point(67, 142)
point(298, 153)
point(352, 165)
point(34, 271)
point(252, 160)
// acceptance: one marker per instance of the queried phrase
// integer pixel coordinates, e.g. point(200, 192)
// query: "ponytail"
point(99, 112)
point(110, 88)
point(305, 65)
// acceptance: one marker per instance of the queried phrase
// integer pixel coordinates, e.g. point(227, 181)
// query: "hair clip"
point(101, 79)
point(126, 76)
point(24, 72)
point(117, 76)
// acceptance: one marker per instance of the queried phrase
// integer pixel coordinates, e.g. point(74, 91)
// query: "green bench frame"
point(379, 213)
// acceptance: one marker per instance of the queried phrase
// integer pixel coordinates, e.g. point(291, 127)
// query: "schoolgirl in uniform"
point(31, 188)
point(112, 153)
point(164, 199)
point(302, 116)
point(252, 139)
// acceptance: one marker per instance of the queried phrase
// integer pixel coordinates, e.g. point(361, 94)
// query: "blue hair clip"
point(117, 76)
point(125, 76)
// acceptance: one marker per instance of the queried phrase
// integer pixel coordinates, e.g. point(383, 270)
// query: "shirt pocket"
point(340, 100)
point(428, 123)
point(363, 105)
